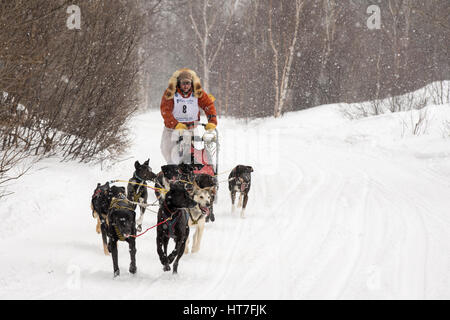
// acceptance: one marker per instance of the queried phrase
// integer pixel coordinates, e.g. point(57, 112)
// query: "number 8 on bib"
point(185, 109)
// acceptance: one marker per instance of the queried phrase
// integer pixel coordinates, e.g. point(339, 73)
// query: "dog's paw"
point(139, 228)
point(212, 217)
point(166, 268)
point(133, 269)
point(116, 273)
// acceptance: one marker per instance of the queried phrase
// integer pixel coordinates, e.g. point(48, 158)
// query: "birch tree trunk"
point(275, 62)
point(282, 78)
point(331, 11)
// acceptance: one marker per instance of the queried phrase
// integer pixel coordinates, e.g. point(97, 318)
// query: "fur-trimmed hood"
point(172, 88)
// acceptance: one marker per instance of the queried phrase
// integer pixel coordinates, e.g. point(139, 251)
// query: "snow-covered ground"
point(338, 209)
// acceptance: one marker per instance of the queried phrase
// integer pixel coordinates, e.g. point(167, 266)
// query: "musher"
point(180, 109)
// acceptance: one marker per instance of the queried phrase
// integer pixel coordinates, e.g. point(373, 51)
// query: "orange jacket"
point(204, 102)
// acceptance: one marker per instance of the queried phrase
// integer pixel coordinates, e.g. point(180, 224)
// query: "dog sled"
point(201, 151)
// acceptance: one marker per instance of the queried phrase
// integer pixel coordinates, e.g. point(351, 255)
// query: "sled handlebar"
point(195, 138)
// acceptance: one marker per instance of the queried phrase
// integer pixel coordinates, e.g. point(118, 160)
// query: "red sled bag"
point(201, 157)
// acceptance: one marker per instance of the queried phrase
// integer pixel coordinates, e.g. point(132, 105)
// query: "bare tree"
point(330, 15)
point(282, 59)
point(68, 92)
point(210, 33)
point(400, 26)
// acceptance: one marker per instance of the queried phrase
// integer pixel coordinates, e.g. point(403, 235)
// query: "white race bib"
point(185, 109)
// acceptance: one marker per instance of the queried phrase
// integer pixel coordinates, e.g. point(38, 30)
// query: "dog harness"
point(172, 220)
point(141, 189)
point(194, 222)
point(137, 195)
point(118, 233)
point(120, 204)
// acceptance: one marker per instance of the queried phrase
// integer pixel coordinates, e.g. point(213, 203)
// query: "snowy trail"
point(337, 220)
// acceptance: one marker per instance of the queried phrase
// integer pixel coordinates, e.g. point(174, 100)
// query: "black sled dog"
point(121, 226)
point(136, 189)
point(100, 201)
point(240, 181)
point(172, 210)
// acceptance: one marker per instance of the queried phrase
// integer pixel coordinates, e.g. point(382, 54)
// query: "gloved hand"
point(210, 126)
point(181, 126)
